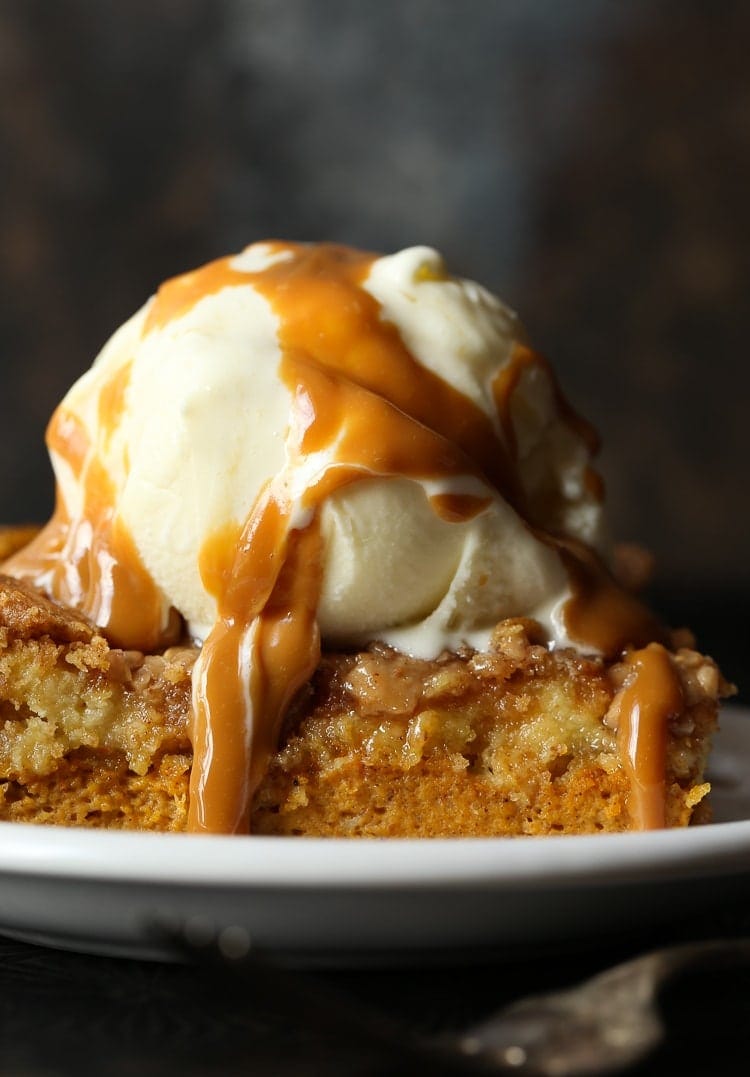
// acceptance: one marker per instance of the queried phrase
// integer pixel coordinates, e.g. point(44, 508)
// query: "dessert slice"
point(329, 556)
point(90, 735)
point(514, 740)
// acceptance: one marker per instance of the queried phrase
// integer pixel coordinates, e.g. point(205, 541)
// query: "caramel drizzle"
point(506, 382)
point(652, 696)
point(599, 613)
point(90, 561)
point(354, 386)
point(263, 648)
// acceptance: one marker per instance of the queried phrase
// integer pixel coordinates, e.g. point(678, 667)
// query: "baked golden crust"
point(519, 740)
point(516, 741)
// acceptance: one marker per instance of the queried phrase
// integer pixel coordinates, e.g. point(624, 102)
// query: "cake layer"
point(515, 740)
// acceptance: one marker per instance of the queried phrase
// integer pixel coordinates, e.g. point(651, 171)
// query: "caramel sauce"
point(66, 435)
point(504, 385)
point(112, 400)
point(594, 483)
point(600, 613)
point(263, 648)
point(90, 561)
point(458, 508)
point(361, 397)
point(506, 382)
point(652, 696)
point(216, 558)
point(179, 295)
point(329, 322)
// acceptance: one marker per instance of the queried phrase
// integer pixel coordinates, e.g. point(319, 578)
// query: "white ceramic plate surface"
point(343, 902)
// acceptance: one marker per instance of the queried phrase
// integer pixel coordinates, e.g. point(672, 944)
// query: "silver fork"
point(603, 1025)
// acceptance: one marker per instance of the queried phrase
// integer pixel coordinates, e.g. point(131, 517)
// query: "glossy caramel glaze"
point(89, 561)
point(652, 695)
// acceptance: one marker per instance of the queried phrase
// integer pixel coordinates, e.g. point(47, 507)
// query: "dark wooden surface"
point(67, 1013)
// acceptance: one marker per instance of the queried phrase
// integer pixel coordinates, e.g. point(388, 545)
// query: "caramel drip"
point(371, 436)
point(66, 435)
point(594, 483)
point(544, 505)
point(112, 400)
point(217, 555)
point(600, 613)
point(179, 295)
point(458, 508)
point(652, 695)
point(89, 560)
point(264, 647)
point(505, 384)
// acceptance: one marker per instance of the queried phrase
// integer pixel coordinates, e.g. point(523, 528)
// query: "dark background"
point(588, 160)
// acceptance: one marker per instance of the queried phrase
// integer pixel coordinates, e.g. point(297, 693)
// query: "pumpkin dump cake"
point(329, 557)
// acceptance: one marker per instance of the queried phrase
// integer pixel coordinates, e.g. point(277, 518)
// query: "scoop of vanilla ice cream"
point(205, 428)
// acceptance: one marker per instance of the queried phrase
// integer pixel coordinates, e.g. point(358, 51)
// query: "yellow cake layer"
point(519, 740)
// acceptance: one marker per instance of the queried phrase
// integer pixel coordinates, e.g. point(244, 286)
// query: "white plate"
point(336, 902)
